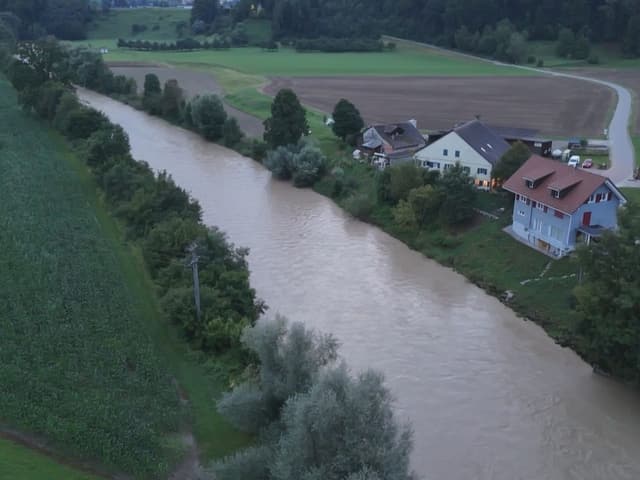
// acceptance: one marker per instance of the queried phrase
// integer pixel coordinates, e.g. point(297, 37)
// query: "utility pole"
point(193, 263)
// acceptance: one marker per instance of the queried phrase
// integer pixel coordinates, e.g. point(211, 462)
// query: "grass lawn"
point(636, 145)
point(160, 22)
point(632, 194)
point(609, 55)
point(95, 377)
point(406, 60)
point(18, 462)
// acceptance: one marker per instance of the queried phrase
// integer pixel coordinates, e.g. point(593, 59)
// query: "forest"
point(438, 21)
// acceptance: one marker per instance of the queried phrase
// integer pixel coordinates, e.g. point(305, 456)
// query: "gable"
point(452, 142)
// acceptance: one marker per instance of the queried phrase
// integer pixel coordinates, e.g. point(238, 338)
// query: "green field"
point(95, 376)
point(636, 144)
point(160, 22)
point(632, 194)
point(18, 462)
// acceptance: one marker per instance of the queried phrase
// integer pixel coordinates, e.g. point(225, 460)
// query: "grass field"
point(636, 144)
point(160, 22)
point(18, 462)
point(632, 194)
point(94, 377)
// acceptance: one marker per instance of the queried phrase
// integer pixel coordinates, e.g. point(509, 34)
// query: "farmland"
point(554, 106)
point(88, 379)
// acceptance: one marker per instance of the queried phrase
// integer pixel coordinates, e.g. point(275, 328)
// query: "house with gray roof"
point(397, 142)
point(475, 146)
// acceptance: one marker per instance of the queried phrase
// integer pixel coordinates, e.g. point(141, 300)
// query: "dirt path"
point(193, 83)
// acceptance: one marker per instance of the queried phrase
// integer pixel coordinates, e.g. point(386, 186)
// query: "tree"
point(517, 49)
point(205, 10)
point(208, 116)
point(631, 44)
point(402, 179)
point(66, 19)
point(511, 161)
point(152, 94)
point(608, 302)
point(425, 203)
point(290, 356)
point(342, 428)
point(172, 100)
point(347, 120)
point(231, 132)
point(288, 121)
point(309, 164)
point(565, 45)
point(458, 196)
point(404, 216)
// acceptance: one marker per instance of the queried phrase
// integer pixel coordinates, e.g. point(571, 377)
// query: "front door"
point(586, 219)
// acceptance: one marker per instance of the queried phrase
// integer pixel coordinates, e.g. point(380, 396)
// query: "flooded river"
point(489, 395)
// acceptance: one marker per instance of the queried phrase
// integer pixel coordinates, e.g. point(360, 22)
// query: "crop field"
point(19, 462)
point(553, 106)
point(76, 364)
point(160, 22)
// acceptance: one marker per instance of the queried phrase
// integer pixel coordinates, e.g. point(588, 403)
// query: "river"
point(489, 395)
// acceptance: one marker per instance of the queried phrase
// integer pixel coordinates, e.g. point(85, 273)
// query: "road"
point(622, 152)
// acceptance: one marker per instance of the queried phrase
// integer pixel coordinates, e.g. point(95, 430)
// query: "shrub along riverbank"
point(120, 414)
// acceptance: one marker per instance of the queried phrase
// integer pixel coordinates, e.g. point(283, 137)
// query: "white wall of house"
point(451, 149)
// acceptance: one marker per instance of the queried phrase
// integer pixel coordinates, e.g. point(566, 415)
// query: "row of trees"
point(337, 45)
point(438, 21)
point(156, 213)
point(186, 44)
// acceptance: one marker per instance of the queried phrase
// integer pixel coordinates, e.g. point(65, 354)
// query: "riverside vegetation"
point(288, 370)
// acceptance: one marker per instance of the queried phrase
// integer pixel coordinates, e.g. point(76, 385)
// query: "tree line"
point(438, 21)
point(185, 44)
point(158, 215)
point(291, 370)
point(66, 19)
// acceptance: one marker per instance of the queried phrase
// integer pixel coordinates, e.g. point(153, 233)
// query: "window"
point(555, 193)
point(598, 197)
point(558, 213)
point(537, 225)
point(530, 184)
point(457, 153)
point(482, 171)
point(517, 197)
point(521, 213)
point(540, 206)
point(528, 201)
point(609, 196)
point(447, 166)
point(555, 232)
point(466, 170)
point(433, 165)
point(545, 209)
point(445, 152)
point(534, 204)
point(591, 199)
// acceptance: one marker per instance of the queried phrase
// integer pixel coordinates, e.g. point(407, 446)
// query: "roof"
point(483, 140)
point(401, 135)
point(580, 183)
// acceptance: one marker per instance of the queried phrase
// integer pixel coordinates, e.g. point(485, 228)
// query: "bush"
point(336, 45)
point(231, 133)
point(137, 28)
point(360, 205)
point(531, 59)
point(540, 63)
point(593, 59)
point(309, 165)
point(208, 117)
point(280, 162)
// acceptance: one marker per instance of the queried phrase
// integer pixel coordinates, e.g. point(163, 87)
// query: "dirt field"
point(553, 106)
point(626, 77)
point(193, 83)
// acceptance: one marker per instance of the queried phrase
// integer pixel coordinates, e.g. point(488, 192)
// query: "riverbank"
point(170, 388)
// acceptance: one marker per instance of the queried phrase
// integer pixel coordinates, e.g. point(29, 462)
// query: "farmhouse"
point(472, 144)
point(397, 142)
point(557, 207)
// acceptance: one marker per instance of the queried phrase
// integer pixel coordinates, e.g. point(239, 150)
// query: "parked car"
point(574, 161)
point(588, 163)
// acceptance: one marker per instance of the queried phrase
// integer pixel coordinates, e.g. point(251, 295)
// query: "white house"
point(475, 146)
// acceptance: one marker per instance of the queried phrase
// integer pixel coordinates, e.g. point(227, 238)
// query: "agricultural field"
point(160, 23)
point(19, 462)
point(552, 106)
point(96, 380)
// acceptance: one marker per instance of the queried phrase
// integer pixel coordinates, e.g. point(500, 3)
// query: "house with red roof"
point(557, 207)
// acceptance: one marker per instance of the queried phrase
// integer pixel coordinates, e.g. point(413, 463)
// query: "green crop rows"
point(76, 366)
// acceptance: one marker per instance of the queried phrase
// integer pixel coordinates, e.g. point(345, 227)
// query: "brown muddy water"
point(488, 394)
